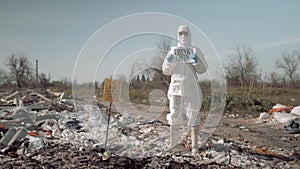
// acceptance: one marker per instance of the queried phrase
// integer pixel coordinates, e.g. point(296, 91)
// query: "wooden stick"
point(109, 110)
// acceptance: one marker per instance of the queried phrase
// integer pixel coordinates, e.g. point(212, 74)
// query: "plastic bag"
point(296, 111)
point(263, 116)
point(283, 117)
point(293, 126)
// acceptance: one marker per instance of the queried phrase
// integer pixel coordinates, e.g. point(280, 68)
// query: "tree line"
point(21, 73)
point(242, 70)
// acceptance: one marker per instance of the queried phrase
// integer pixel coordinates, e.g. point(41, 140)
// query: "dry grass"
point(283, 96)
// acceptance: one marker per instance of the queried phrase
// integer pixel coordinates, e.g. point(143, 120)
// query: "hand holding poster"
point(184, 54)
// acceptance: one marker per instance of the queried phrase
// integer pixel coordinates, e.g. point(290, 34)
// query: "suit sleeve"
point(168, 67)
point(201, 66)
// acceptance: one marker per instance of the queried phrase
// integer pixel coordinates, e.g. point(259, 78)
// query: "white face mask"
point(184, 35)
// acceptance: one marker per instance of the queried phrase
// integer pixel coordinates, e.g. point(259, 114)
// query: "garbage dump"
point(40, 136)
point(280, 113)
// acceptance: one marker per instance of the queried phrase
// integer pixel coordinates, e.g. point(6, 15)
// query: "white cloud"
point(279, 43)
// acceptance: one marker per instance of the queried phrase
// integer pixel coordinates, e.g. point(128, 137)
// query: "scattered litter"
point(19, 112)
point(35, 143)
point(8, 136)
point(51, 128)
point(73, 124)
point(296, 111)
point(293, 126)
point(263, 117)
point(107, 155)
point(270, 153)
point(51, 134)
point(283, 117)
point(280, 108)
point(281, 113)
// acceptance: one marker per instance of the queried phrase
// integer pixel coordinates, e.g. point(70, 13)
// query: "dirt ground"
point(268, 135)
point(264, 134)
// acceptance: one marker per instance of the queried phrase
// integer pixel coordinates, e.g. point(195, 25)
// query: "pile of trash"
point(82, 147)
point(47, 138)
point(37, 100)
point(77, 140)
point(27, 117)
point(289, 116)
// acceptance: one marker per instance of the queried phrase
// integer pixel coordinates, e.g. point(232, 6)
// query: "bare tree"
point(274, 79)
point(164, 46)
point(44, 80)
point(289, 63)
point(20, 69)
point(153, 70)
point(242, 67)
point(4, 78)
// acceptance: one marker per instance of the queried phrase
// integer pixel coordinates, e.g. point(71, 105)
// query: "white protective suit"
point(185, 97)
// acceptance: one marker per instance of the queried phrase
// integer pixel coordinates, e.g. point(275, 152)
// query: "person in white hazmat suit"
point(182, 63)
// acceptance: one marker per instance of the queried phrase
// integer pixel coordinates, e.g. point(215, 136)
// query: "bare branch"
point(242, 67)
point(20, 69)
point(289, 63)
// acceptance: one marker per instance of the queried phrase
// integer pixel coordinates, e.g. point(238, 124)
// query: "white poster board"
point(183, 54)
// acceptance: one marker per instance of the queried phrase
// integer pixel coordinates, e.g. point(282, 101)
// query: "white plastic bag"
point(279, 106)
point(263, 116)
point(35, 143)
point(296, 111)
point(283, 117)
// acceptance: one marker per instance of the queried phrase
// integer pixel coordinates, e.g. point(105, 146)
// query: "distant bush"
point(139, 96)
point(284, 96)
point(240, 105)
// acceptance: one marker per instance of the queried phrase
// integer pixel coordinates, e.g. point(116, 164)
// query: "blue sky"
point(54, 32)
